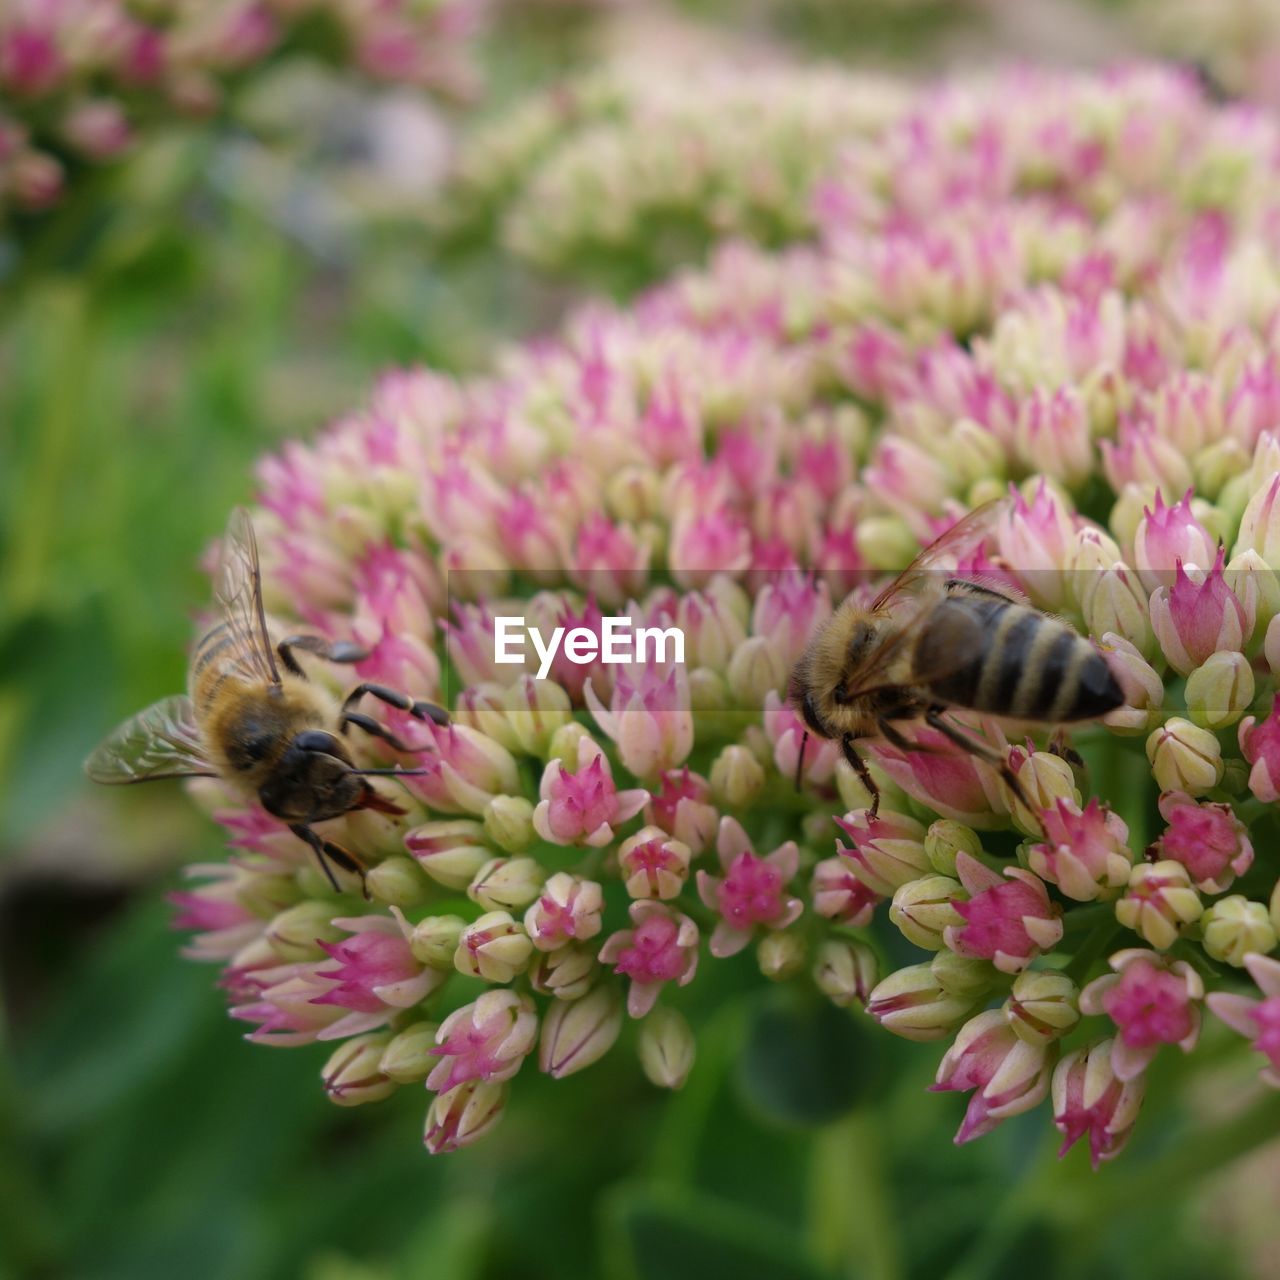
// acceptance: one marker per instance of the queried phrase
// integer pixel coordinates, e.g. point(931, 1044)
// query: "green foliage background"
point(178, 327)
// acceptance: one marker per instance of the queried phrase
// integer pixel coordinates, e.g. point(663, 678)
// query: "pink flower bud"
point(752, 890)
point(464, 769)
point(682, 807)
point(951, 782)
point(1168, 536)
point(1260, 746)
point(1084, 852)
point(283, 1003)
point(708, 544)
point(464, 1115)
point(1053, 435)
point(787, 610)
point(649, 717)
point(1208, 839)
point(1139, 682)
point(610, 562)
point(568, 910)
point(1009, 1076)
point(1257, 1020)
point(576, 1033)
point(485, 1040)
point(494, 948)
point(353, 1073)
point(653, 864)
point(1009, 920)
point(1090, 1099)
point(1152, 1001)
point(1199, 616)
point(662, 947)
point(887, 851)
point(839, 895)
point(787, 733)
point(712, 622)
point(583, 807)
point(1260, 523)
point(914, 1004)
point(1036, 539)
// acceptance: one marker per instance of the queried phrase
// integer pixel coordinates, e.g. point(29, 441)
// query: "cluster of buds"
point(1092, 339)
point(82, 80)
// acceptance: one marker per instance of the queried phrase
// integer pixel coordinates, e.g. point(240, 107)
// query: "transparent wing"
point(963, 535)
point(957, 637)
point(160, 742)
point(237, 591)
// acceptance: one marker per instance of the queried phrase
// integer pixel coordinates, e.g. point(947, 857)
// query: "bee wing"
point(962, 535)
point(956, 640)
point(160, 742)
point(237, 591)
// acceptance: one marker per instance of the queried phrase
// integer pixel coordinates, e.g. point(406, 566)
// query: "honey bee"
point(929, 643)
point(252, 717)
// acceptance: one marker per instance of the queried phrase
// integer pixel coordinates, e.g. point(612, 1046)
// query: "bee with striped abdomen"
point(253, 719)
point(929, 643)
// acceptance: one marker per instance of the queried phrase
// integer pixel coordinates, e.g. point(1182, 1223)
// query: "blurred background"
point(238, 276)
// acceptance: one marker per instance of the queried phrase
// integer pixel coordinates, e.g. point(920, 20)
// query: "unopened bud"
point(756, 668)
point(967, 977)
point(408, 1057)
point(1159, 902)
point(565, 973)
point(536, 710)
point(575, 1033)
point(508, 822)
point(912, 1003)
point(737, 778)
point(450, 852)
point(464, 1114)
point(886, 542)
point(845, 971)
point(1185, 757)
point(1042, 1006)
point(781, 954)
point(564, 742)
point(923, 909)
point(944, 839)
point(507, 884)
point(1045, 779)
point(435, 939)
point(353, 1073)
point(1233, 927)
point(296, 934)
point(666, 1048)
point(398, 882)
point(1220, 689)
point(494, 948)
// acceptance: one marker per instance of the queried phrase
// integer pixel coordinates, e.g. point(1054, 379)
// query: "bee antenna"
point(804, 742)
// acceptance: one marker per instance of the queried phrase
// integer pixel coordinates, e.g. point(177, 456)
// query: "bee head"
point(313, 780)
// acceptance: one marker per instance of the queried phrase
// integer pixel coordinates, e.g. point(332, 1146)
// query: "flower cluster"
point(622, 165)
point(1059, 289)
point(81, 79)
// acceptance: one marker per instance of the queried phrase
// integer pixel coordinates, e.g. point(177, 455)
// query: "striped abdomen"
point(1006, 659)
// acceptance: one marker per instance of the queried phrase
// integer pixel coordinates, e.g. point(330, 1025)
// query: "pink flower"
point(568, 910)
point(952, 782)
point(215, 911)
point(1009, 1075)
point(752, 890)
point(887, 850)
point(1257, 1020)
point(1168, 536)
point(1152, 1000)
point(1200, 615)
point(1208, 839)
point(464, 768)
point(787, 610)
point(662, 947)
point(649, 716)
point(393, 623)
point(485, 1040)
point(1053, 435)
point(839, 895)
point(1260, 746)
point(283, 1002)
point(682, 807)
point(609, 562)
point(787, 733)
point(1035, 539)
point(1007, 920)
point(583, 807)
point(1089, 1098)
point(653, 864)
point(1084, 852)
point(707, 544)
point(375, 973)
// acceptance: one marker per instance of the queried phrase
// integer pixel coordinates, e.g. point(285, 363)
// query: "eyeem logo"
point(620, 641)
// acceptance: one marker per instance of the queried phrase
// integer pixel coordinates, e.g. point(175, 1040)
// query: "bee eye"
point(317, 740)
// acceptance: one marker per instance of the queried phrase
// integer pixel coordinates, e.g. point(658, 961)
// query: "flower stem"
point(850, 1229)
point(1091, 948)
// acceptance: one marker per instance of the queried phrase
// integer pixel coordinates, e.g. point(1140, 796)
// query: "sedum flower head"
point(1054, 289)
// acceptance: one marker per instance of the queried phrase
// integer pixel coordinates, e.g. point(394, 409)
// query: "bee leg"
point(934, 718)
point(326, 850)
point(338, 651)
point(864, 774)
point(1060, 745)
point(373, 728)
point(394, 698)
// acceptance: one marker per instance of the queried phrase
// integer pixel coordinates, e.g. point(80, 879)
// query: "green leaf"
point(806, 1062)
point(652, 1235)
